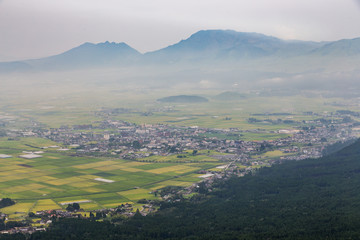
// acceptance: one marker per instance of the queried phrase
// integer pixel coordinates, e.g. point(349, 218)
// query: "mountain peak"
point(223, 39)
point(106, 44)
point(89, 55)
point(203, 46)
point(228, 44)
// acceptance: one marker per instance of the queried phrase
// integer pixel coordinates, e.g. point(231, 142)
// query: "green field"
point(61, 177)
point(58, 178)
point(79, 105)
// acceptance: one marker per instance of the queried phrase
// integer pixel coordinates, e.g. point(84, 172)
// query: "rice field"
point(55, 178)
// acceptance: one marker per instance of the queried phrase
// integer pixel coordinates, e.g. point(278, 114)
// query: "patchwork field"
point(57, 178)
point(61, 176)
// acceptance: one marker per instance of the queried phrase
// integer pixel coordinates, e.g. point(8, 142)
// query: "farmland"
point(57, 177)
point(105, 168)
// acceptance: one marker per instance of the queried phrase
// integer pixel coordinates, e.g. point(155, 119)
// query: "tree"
point(137, 214)
point(73, 207)
point(31, 214)
point(70, 208)
point(76, 206)
point(5, 202)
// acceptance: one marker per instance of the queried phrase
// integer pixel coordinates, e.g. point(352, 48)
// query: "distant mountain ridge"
point(89, 54)
point(228, 43)
point(345, 47)
point(202, 46)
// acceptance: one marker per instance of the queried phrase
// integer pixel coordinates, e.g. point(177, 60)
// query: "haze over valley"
point(207, 60)
point(155, 120)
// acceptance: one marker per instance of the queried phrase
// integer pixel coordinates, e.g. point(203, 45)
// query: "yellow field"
point(275, 153)
point(83, 184)
point(7, 168)
point(63, 181)
point(6, 173)
point(41, 191)
point(45, 204)
point(72, 178)
point(37, 173)
point(89, 177)
point(75, 200)
point(13, 177)
point(176, 183)
point(157, 187)
point(19, 207)
point(107, 168)
point(132, 169)
point(22, 188)
point(95, 165)
point(43, 178)
point(177, 169)
point(89, 206)
point(195, 175)
point(134, 164)
point(123, 166)
point(136, 194)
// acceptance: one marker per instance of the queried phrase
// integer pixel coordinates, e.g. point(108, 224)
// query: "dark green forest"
point(309, 199)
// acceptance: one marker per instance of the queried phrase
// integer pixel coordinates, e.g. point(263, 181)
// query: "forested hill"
point(310, 199)
point(183, 99)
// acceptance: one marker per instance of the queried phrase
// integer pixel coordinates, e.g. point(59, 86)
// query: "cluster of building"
point(131, 141)
point(307, 139)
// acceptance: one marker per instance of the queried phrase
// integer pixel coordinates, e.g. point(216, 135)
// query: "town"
point(125, 140)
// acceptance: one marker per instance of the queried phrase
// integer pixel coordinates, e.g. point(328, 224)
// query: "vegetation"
point(229, 96)
point(73, 207)
point(5, 202)
point(310, 199)
point(183, 99)
point(59, 178)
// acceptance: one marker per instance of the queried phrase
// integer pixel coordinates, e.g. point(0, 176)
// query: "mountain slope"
point(89, 55)
point(18, 66)
point(222, 44)
point(183, 99)
point(345, 47)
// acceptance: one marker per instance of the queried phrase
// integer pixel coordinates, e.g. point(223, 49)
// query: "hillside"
point(229, 96)
point(345, 47)
point(227, 44)
point(183, 99)
point(310, 199)
point(86, 55)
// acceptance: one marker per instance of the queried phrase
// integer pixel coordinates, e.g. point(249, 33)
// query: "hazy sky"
point(37, 28)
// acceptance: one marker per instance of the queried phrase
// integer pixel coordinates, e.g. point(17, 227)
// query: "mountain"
point(224, 44)
point(86, 55)
point(89, 55)
point(206, 46)
point(345, 47)
point(18, 66)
